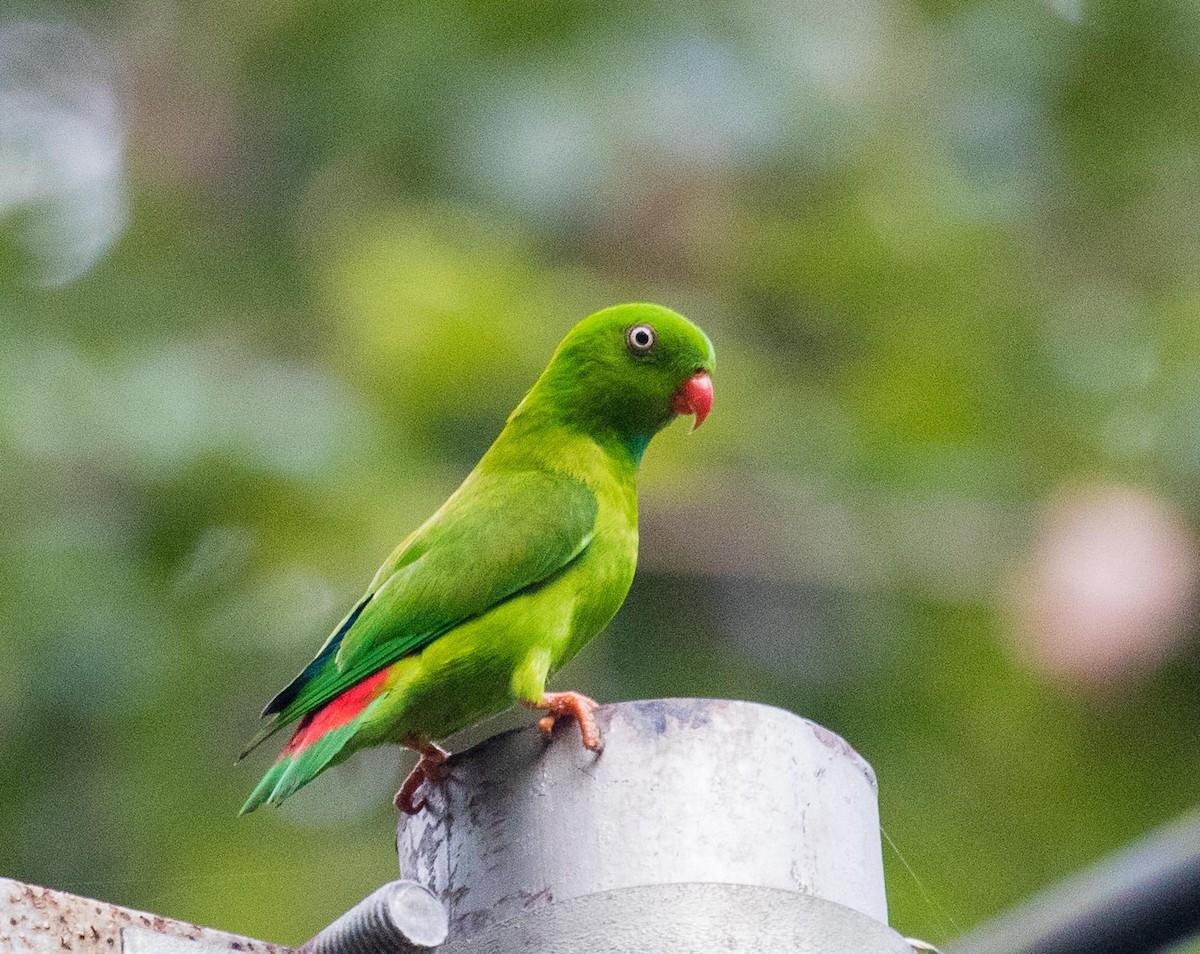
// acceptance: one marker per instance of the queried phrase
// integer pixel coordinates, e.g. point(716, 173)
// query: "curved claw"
point(403, 799)
point(430, 768)
point(572, 705)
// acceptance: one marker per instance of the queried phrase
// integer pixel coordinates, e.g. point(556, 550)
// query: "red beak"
point(694, 397)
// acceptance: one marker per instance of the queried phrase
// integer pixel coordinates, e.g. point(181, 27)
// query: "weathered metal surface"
point(37, 920)
point(398, 917)
point(687, 919)
point(686, 792)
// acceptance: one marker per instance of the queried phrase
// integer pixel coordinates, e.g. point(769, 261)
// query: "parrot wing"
point(500, 533)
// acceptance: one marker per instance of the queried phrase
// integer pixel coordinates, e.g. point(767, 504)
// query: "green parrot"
point(522, 565)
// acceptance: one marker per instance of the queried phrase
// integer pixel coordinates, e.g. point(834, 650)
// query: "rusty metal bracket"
point(37, 920)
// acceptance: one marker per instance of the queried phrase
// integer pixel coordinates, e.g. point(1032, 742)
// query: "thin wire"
point(937, 909)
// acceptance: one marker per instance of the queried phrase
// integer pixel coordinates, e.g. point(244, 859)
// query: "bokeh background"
point(273, 272)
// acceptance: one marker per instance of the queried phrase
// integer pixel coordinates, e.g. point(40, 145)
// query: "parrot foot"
point(573, 705)
point(431, 768)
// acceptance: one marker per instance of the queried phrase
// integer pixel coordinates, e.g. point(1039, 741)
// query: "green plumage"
point(523, 564)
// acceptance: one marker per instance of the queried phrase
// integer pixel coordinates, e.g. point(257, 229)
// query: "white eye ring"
point(640, 338)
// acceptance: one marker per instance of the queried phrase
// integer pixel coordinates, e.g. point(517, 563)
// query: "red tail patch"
point(335, 713)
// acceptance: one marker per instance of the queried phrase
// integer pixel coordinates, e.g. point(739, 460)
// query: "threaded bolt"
point(401, 916)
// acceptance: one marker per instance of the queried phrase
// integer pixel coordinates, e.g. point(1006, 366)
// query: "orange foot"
point(431, 768)
point(575, 705)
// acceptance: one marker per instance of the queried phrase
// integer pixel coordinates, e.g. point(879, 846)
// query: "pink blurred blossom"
point(1109, 590)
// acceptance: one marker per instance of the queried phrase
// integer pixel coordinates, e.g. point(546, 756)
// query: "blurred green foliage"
point(948, 253)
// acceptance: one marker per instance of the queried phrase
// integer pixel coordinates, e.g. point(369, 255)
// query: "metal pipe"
point(689, 796)
point(1143, 899)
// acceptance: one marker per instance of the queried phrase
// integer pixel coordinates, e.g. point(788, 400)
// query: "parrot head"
point(628, 371)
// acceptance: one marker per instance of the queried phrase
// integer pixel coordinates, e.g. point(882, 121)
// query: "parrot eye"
point(640, 338)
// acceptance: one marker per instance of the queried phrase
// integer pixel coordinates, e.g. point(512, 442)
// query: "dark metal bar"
point(1139, 901)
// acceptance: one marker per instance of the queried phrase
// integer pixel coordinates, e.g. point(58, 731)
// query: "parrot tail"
point(318, 741)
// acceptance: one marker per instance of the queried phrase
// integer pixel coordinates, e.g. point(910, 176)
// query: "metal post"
point(704, 825)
